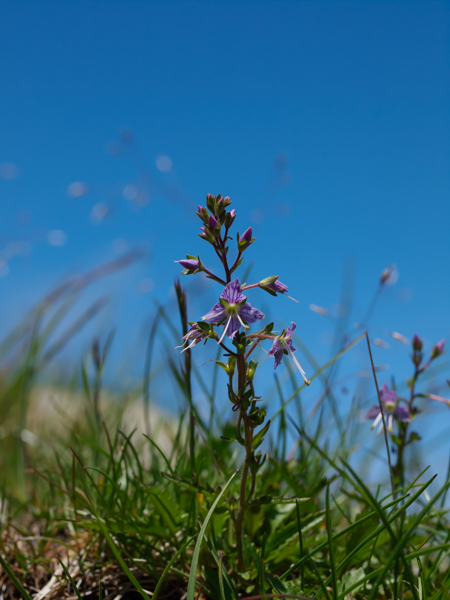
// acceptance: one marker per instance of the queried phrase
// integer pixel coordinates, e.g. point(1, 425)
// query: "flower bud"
point(212, 222)
point(191, 265)
point(417, 343)
point(245, 240)
point(251, 370)
point(437, 350)
point(206, 235)
point(229, 218)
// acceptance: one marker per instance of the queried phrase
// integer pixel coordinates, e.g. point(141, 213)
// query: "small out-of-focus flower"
point(283, 345)
point(245, 240)
point(391, 407)
point(56, 237)
point(319, 310)
point(234, 309)
point(437, 349)
point(380, 343)
point(389, 275)
point(399, 337)
point(77, 189)
point(8, 171)
point(164, 164)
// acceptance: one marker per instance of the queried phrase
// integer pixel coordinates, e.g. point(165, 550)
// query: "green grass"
point(106, 510)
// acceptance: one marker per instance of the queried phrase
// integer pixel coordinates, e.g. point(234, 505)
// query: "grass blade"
point(170, 563)
point(198, 545)
point(14, 579)
point(70, 578)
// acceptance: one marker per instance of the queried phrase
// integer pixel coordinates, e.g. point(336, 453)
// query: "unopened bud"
point(245, 240)
point(417, 343)
point(438, 349)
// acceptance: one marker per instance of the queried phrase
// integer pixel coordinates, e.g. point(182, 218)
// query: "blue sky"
point(327, 123)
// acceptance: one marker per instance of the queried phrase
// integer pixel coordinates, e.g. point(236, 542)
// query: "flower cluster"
point(233, 311)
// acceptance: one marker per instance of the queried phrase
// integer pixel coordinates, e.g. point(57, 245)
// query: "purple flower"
point(245, 239)
point(283, 345)
point(232, 213)
point(391, 407)
point(192, 264)
point(195, 334)
point(233, 307)
point(438, 349)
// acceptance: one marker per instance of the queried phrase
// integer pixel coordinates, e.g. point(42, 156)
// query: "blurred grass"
point(92, 507)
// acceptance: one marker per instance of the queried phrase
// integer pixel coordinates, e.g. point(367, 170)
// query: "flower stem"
point(248, 437)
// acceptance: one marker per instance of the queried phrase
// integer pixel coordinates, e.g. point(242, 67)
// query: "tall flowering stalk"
point(401, 411)
point(228, 324)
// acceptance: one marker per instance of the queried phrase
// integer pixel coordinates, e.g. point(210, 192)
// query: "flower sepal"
point(203, 214)
point(414, 437)
point(228, 367)
point(206, 235)
point(257, 416)
point(229, 218)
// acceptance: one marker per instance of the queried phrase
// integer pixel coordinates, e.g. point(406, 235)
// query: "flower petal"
point(215, 314)
point(402, 413)
point(274, 349)
point(388, 395)
point(250, 314)
point(278, 357)
point(232, 292)
point(290, 330)
point(373, 412)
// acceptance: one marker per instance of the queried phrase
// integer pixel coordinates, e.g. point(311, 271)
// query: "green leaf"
point(259, 437)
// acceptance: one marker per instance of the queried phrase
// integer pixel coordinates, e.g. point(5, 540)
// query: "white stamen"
point(190, 346)
point(376, 421)
point(224, 330)
point(380, 428)
point(242, 322)
point(297, 364)
point(291, 298)
point(390, 421)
